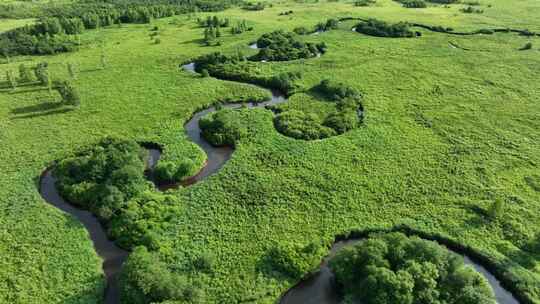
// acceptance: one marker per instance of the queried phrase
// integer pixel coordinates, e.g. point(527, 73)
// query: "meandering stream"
point(321, 288)
point(318, 288)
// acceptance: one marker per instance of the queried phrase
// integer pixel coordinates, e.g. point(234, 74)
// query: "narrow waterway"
point(321, 288)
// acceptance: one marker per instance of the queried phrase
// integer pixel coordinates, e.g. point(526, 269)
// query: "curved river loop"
point(318, 288)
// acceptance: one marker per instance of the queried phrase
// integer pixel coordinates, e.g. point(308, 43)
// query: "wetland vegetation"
point(269, 154)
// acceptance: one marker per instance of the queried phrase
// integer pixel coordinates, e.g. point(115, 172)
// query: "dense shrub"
point(394, 268)
point(68, 92)
point(364, 2)
point(443, 1)
point(146, 279)
point(170, 172)
point(213, 21)
point(301, 30)
point(142, 219)
point(293, 260)
point(300, 125)
point(282, 46)
point(235, 68)
point(342, 121)
point(527, 46)
point(336, 90)
point(413, 3)
point(252, 6)
point(54, 32)
point(379, 28)
point(240, 27)
point(330, 24)
point(472, 10)
point(103, 177)
point(222, 128)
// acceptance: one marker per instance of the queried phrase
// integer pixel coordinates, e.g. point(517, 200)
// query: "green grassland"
point(446, 132)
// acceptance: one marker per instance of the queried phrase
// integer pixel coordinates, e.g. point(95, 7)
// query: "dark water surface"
point(321, 287)
point(112, 255)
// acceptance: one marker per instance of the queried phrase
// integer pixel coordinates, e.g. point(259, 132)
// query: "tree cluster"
point(394, 268)
point(146, 279)
point(301, 125)
point(294, 260)
point(336, 90)
point(102, 178)
point(283, 46)
point(55, 32)
point(472, 10)
point(240, 27)
point(363, 3)
point(330, 24)
point(213, 21)
point(222, 128)
point(254, 6)
point(413, 3)
point(374, 27)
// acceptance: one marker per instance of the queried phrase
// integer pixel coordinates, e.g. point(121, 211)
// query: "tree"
point(496, 209)
point(71, 70)
point(11, 79)
point(68, 92)
point(42, 73)
point(103, 60)
point(24, 73)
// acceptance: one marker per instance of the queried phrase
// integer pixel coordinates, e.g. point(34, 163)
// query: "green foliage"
point(472, 10)
point(413, 3)
point(330, 24)
point(68, 92)
point(394, 268)
point(25, 75)
point(336, 90)
point(496, 209)
point(342, 121)
point(103, 177)
point(254, 6)
point(293, 260)
point(146, 279)
point(204, 262)
point(42, 73)
point(169, 172)
point(213, 21)
point(300, 125)
point(222, 128)
point(143, 219)
point(11, 79)
point(363, 3)
point(374, 27)
point(301, 30)
point(275, 189)
point(240, 27)
point(283, 46)
point(527, 46)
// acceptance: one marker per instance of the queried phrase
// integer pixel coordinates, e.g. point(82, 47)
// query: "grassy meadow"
point(446, 132)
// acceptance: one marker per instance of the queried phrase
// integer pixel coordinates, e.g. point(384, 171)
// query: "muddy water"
point(321, 287)
point(112, 255)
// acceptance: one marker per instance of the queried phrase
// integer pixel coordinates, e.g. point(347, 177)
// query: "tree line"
point(56, 30)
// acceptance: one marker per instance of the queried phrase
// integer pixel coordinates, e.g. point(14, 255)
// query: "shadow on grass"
point(58, 111)
point(42, 109)
point(198, 41)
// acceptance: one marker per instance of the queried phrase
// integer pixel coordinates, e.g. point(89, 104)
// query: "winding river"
point(318, 288)
point(321, 288)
